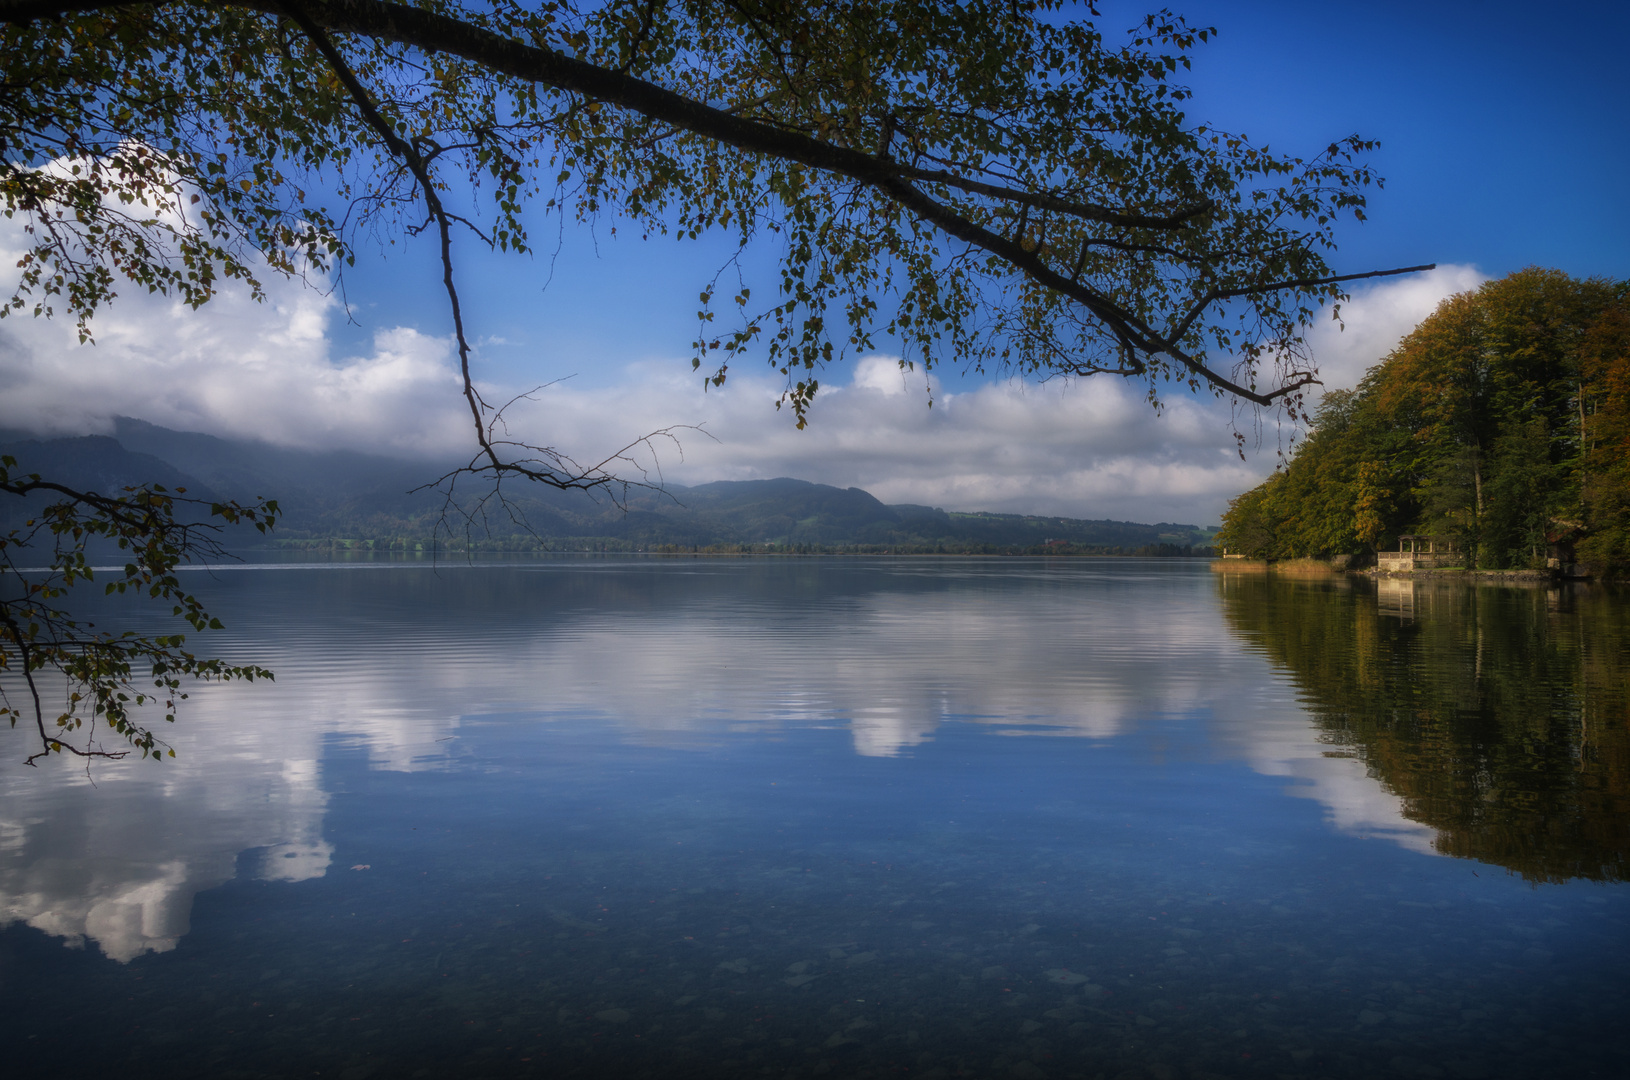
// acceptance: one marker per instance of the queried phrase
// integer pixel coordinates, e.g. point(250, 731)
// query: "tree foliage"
point(65, 666)
point(985, 181)
point(1501, 421)
point(994, 183)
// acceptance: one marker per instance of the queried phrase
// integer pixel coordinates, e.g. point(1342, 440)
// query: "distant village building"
point(1419, 553)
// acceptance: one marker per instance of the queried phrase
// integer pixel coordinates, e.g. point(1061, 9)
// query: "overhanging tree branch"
point(100, 672)
point(799, 123)
point(557, 471)
point(436, 33)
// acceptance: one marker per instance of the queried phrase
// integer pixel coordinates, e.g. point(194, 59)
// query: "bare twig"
point(545, 465)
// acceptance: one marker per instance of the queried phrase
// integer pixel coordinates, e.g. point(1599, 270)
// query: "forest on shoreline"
point(1501, 424)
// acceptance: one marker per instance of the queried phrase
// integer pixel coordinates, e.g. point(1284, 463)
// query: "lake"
point(845, 817)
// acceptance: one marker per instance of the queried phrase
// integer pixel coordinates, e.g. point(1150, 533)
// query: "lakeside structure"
point(1419, 552)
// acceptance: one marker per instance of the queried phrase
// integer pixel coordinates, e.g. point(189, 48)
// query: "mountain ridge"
point(347, 498)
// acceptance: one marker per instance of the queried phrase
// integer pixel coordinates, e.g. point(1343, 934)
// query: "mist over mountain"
point(345, 498)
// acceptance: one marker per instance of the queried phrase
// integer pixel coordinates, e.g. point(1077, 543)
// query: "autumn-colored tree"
point(1372, 503)
point(1493, 422)
point(1251, 527)
point(1604, 407)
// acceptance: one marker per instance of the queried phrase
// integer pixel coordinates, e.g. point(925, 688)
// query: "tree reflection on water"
point(1499, 714)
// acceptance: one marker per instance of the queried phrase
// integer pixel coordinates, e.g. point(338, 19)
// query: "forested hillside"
point(1502, 422)
point(343, 499)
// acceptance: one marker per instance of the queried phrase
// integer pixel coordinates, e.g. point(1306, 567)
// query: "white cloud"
point(235, 368)
point(1088, 448)
point(1378, 317)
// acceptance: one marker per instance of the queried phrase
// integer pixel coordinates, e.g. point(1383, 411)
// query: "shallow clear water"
point(843, 817)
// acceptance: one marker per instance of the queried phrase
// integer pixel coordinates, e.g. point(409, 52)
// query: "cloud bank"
point(1086, 448)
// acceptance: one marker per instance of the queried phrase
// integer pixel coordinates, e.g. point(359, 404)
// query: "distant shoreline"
point(428, 549)
point(1316, 567)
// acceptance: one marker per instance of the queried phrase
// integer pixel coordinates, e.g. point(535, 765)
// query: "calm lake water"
point(846, 817)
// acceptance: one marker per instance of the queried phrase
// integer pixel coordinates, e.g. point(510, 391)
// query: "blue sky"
point(1504, 130)
point(1505, 143)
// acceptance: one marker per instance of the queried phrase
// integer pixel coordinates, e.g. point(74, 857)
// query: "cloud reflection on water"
point(397, 663)
point(119, 863)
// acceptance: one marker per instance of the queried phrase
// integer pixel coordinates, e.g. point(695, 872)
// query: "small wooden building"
point(1560, 538)
point(1419, 553)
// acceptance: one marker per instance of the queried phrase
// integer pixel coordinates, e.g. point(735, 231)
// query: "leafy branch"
point(1027, 195)
point(104, 677)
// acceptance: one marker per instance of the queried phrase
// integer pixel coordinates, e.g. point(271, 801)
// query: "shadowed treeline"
point(1500, 716)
